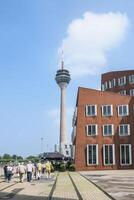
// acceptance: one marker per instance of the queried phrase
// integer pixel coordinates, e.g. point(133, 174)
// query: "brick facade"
point(99, 155)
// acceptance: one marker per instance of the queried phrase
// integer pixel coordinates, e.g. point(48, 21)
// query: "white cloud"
point(90, 38)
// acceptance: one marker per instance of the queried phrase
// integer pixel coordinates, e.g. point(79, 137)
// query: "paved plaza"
point(117, 183)
point(93, 185)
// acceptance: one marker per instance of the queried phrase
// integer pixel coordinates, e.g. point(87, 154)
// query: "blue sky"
point(31, 34)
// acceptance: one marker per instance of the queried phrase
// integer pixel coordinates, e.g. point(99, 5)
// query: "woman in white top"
point(9, 173)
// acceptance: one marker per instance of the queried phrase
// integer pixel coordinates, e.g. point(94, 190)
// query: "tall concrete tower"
point(62, 78)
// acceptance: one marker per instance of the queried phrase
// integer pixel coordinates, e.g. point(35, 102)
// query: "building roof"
point(98, 93)
point(116, 72)
point(53, 155)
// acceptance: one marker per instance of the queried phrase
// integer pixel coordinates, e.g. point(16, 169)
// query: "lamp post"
point(42, 146)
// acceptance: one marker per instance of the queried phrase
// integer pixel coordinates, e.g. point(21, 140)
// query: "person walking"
point(39, 170)
point(5, 172)
point(29, 169)
point(35, 170)
point(48, 166)
point(9, 172)
point(21, 170)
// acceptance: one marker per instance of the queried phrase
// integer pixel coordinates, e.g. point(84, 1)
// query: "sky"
point(96, 37)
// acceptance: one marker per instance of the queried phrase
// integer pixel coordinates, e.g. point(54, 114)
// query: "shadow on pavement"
point(15, 196)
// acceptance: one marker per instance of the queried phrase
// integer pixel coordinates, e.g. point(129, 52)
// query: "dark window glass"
point(106, 154)
point(123, 154)
point(110, 154)
point(127, 155)
point(94, 154)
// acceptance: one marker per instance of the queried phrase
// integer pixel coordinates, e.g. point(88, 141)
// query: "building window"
point(122, 81)
point(123, 110)
point(131, 79)
point(109, 154)
point(124, 129)
point(108, 130)
point(92, 130)
point(123, 92)
point(107, 110)
point(125, 154)
point(131, 92)
point(112, 83)
point(104, 86)
point(91, 110)
point(92, 154)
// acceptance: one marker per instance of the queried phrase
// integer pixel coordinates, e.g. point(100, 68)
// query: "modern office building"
point(103, 124)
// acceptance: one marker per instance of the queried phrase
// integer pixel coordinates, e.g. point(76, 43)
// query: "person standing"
point(21, 170)
point(29, 169)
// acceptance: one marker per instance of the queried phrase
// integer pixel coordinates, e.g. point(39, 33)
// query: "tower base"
point(65, 149)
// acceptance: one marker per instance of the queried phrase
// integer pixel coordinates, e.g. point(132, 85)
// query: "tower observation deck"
point(62, 78)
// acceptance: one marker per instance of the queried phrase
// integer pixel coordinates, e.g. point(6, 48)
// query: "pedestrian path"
point(64, 188)
point(74, 186)
point(63, 185)
point(88, 190)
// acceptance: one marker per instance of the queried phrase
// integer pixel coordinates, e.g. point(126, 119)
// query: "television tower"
point(62, 78)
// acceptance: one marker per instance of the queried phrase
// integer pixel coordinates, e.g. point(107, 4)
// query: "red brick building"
point(120, 81)
point(103, 125)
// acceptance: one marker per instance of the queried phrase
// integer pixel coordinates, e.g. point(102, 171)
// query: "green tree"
point(7, 156)
point(14, 157)
point(33, 158)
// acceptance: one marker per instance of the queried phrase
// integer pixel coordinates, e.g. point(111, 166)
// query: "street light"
point(42, 146)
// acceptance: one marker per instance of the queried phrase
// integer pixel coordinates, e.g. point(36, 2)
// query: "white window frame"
point(96, 129)
point(107, 109)
point(113, 148)
point(131, 79)
point(122, 115)
point(104, 86)
point(123, 92)
point(122, 81)
point(112, 127)
point(130, 155)
point(124, 134)
point(91, 114)
point(90, 164)
point(112, 83)
point(131, 92)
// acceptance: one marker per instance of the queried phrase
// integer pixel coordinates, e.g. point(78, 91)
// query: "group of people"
point(33, 170)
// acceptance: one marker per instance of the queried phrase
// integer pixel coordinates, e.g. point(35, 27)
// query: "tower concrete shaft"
point(62, 78)
point(63, 128)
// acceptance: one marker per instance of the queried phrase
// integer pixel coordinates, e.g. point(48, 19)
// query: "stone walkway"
point(119, 184)
point(88, 190)
point(64, 185)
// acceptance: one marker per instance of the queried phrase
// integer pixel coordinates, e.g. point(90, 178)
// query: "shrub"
point(72, 167)
point(68, 164)
point(62, 167)
point(56, 166)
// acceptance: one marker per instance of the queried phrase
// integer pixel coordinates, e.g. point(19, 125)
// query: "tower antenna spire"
point(62, 60)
